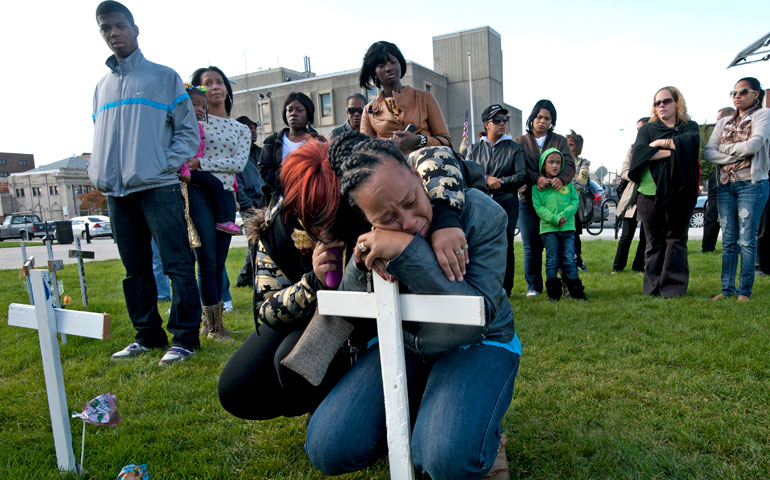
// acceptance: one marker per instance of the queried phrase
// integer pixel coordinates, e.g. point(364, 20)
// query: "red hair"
point(311, 189)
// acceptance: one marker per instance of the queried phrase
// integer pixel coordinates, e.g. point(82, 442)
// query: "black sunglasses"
point(742, 92)
point(665, 101)
point(354, 110)
point(498, 120)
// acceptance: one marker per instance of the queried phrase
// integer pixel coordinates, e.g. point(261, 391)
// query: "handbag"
point(317, 347)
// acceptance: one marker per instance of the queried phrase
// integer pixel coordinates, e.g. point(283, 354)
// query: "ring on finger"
point(362, 247)
point(459, 251)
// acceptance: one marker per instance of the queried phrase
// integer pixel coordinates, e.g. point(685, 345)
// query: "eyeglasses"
point(665, 101)
point(498, 120)
point(742, 92)
point(354, 110)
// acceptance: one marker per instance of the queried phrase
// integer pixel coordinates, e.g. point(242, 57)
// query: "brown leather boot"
point(207, 319)
point(500, 469)
point(218, 329)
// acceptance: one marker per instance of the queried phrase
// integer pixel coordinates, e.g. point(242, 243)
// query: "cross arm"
point(70, 322)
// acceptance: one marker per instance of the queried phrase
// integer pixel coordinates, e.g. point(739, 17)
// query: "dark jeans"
point(560, 254)
point(667, 271)
point(212, 253)
point(255, 386)
point(578, 242)
point(157, 213)
point(222, 201)
point(511, 207)
point(763, 242)
point(246, 275)
point(710, 222)
point(624, 245)
point(529, 225)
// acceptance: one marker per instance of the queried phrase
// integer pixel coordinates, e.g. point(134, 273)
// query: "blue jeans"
point(161, 279)
point(457, 400)
point(157, 213)
point(212, 253)
point(560, 253)
point(226, 297)
point(740, 205)
point(529, 225)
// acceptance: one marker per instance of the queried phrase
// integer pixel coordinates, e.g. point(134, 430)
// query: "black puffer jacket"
point(504, 160)
point(269, 164)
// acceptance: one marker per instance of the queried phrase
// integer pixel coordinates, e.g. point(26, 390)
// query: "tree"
point(601, 172)
point(93, 201)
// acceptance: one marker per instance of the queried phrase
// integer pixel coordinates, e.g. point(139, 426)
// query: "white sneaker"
point(175, 354)
point(227, 306)
point(532, 293)
point(132, 350)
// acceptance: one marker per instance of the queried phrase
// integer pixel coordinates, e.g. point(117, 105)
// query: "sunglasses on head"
point(742, 92)
point(498, 120)
point(665, 101)
point(354, 110)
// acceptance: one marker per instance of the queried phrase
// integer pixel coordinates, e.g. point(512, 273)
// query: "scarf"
point(737, 129)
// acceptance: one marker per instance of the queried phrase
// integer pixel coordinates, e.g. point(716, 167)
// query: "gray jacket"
point(145, 127)
point(484, 223)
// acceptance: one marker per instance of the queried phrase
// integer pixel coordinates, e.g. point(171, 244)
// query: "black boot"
point(553, 289)
point(576, 289)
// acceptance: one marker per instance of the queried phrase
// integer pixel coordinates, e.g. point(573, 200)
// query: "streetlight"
point(259, 105)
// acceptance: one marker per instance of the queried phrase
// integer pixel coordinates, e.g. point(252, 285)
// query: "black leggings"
point(255, 386)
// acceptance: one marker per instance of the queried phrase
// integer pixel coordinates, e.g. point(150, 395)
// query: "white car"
point(98, 226)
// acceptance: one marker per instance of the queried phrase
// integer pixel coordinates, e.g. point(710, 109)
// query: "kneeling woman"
point(254, 385)
point(460, 379)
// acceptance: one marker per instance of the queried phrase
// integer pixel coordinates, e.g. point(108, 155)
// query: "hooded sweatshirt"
point(552, 205)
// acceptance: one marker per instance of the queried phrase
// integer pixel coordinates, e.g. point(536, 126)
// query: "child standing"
point(556, 209)
point(205, 179)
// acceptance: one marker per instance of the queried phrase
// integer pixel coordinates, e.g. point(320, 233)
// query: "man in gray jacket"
point(145, 129)
point(503, 163)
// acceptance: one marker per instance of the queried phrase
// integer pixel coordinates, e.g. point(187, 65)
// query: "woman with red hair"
point(254, 385)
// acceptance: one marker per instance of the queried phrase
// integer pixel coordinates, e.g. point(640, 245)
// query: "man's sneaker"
point(227, 306)
point(228, 227)
point(132, 350)
point(175, 354)
point(532, 293)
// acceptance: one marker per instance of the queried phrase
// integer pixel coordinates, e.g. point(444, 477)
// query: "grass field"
point(621, 387)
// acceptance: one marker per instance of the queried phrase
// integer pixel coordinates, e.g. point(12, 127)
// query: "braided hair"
point(354, 157)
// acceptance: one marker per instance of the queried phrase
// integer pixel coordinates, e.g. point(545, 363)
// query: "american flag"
point(464, 143)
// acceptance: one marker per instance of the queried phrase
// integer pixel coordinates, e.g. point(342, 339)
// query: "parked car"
point(598, 193)
point(698, 214)
point(25, 226)
point(98, 226)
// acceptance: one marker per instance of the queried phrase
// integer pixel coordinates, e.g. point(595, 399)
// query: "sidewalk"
point(103, 248)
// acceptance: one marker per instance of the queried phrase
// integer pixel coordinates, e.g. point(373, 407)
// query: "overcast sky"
point(600, 62)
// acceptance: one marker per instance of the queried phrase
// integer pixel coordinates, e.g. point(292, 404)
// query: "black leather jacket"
point(504, 160)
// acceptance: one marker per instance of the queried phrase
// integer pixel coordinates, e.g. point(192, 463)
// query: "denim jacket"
point(484, 223)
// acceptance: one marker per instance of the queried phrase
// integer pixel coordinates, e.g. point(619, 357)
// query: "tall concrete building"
point(260, 95)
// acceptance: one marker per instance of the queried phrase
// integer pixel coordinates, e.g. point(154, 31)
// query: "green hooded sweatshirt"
point(552, 205)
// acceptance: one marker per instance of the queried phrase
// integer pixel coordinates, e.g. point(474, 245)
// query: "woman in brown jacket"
point(398, 106)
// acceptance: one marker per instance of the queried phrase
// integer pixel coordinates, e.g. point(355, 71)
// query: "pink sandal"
point(228, 227)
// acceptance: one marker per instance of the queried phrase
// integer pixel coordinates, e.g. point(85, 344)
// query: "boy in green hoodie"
point(556, 209)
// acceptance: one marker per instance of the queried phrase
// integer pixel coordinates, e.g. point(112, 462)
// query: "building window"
point(37, 192)
point(23, 163)
point(4, 174)
point(53, 190)
point(19, 192)
point(3, 162)
point(428, 87)
point(81, 189)
point(326, 104)
point(371, 94)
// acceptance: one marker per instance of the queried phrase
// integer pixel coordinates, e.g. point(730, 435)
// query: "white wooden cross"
point(390, 309)
point(47, 320)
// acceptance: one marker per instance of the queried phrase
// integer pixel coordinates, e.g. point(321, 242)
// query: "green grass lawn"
point(621, 387)
point(16, 244)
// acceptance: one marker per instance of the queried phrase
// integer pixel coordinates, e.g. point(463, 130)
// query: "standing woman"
point(398, 105)
point(664, 163)
point(539, 138)
point(739, 146)
point(298, 113)
point(226, 153)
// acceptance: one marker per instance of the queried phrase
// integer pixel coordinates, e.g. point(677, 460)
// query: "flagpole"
point(470, 89)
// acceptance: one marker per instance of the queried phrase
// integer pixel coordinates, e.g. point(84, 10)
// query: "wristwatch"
point(422, 142)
